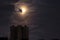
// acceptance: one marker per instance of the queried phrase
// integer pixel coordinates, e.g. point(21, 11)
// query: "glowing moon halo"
point(21, 9)
point(24, 9)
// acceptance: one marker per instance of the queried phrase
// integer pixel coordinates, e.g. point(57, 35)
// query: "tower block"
point(25, 32)
point(19, 32)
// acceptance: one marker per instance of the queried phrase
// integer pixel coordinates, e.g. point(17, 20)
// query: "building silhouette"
point(25, 32)
point(13, 33)
point(19, 32)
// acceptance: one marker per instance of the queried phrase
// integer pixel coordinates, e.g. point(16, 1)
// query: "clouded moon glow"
point(22, 8)
point(22, 13)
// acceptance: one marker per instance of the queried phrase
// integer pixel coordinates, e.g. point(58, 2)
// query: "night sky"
point(45, 21)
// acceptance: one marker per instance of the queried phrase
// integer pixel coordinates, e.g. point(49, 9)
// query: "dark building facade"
point(13, 33)
point(25, 32)
point(19, 32)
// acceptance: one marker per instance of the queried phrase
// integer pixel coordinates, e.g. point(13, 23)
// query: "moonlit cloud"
point(23, 7)
point(23, 11)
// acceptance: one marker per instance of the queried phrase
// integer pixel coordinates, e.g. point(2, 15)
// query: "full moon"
point(21, 8)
